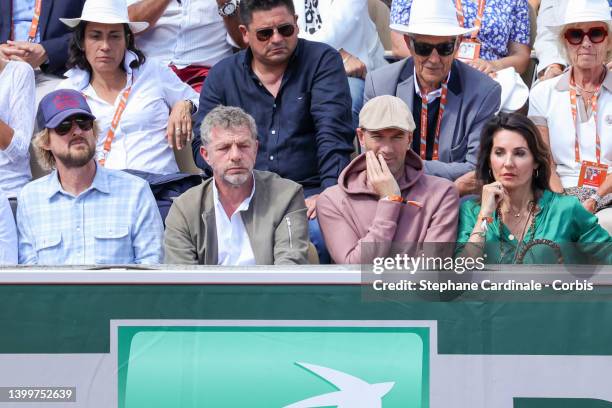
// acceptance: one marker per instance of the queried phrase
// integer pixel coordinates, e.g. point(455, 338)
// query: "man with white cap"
point(449, 100)
point(82, 213)
point(383, 196)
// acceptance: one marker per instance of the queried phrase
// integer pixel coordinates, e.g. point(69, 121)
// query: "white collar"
point(433, 95)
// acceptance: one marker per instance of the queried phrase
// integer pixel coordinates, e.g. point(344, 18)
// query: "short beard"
point(76, 160)
point(237, 180)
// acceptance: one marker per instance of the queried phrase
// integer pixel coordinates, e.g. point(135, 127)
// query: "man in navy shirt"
point(297, 92)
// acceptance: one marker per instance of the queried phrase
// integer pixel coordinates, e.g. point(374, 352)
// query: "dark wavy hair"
point(248, 7)
point(522, 125)
point(76, 50)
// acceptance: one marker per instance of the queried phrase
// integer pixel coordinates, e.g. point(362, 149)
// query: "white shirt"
point(346, 24)
point(8, 233)
point(140, 141)
point(233, 245)
point(431, 96)
point(190, 33)
point(549, 105)
point(17, 110)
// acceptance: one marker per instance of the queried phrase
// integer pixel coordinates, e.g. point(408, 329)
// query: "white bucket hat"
point(584, 11)
point(432, 17)
point(106, 12)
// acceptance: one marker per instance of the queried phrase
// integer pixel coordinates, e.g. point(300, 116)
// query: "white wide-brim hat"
point(582, 11)
point(106, 12)
point(432, 17)
point(514, 92)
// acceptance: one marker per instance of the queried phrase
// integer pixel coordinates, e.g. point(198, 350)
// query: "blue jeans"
point(316, 237)
point(357, 86)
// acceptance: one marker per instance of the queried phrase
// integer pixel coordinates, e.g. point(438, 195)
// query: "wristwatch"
point(228, 8)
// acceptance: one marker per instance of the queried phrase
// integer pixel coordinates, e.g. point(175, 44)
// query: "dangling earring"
point(537, 173)
point(491, 174)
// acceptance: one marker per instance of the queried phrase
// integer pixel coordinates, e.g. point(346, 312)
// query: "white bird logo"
point(353, 392)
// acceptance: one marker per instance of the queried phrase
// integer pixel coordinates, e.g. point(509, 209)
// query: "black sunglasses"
point(66, 125)
point(575, 36)
point(264, 34)
point(425, 49)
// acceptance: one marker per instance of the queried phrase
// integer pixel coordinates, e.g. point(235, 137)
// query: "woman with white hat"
point(499, 37)
point(574, 110)
point(142, 107)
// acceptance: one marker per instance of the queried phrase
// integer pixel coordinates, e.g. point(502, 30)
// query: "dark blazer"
point(54, 35)
point(473, 98)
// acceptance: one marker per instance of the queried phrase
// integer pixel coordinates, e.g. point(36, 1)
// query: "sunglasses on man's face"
point(264, 34)
point(66, 125)
point(575, 36)
point(424, 49)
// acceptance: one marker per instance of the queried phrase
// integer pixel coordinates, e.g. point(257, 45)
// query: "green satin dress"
point(560, 219)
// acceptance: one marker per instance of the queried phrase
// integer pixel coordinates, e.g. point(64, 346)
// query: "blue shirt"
point(114, 221)
point(23, 13)
point(305, 133)
point(504, 21)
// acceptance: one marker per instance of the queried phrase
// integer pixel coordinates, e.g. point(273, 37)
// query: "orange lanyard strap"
point(35, 21)
point(424, 111)
point(574, 106)
point(479, 15)
point(113, 127)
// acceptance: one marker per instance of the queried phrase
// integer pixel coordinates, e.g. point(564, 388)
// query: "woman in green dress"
point(518, 218)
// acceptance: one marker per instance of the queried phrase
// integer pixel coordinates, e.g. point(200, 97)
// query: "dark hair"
point(247, 7)
point(522, 125)
point(76, 51)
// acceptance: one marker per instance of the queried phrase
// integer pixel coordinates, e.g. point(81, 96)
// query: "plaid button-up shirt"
point(114, 221)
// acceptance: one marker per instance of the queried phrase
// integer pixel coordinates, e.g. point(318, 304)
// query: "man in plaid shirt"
point(82, 213)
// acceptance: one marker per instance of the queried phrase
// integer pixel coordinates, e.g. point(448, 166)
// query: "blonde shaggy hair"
point(40, 142)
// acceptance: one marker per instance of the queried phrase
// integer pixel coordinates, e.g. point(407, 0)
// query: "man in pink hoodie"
point(383, 197)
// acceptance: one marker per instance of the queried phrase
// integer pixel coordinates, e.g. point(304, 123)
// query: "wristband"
point(402, 200)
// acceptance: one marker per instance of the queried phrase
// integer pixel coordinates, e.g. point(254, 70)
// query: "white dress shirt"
point(8, 233)
point(17, 110)
point(233, 245)
point(140, 141)
point(188, 33)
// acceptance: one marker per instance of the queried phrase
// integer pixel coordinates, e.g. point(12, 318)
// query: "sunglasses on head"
point(424, 49)
point(264, 34)
point(575, 36)
point(66, 125)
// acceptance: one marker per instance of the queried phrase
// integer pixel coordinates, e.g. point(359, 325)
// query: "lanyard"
point(113, 127)
point(573, 102)
point(424, 103)
point(35, 21)
point(479, 15)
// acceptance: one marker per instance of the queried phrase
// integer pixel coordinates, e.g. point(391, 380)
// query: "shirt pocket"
point(112, 245)
point(48, 249)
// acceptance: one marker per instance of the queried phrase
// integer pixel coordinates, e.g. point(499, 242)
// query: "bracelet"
point(597, 198)
point(484, 222)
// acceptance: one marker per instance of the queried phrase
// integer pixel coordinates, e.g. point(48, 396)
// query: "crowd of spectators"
point(312, 143)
